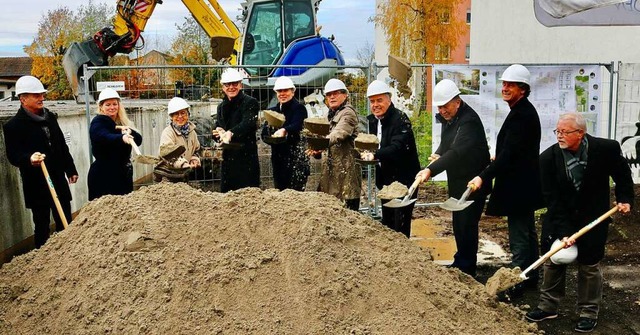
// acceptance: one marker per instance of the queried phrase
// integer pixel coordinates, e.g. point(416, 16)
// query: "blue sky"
point(348, 21)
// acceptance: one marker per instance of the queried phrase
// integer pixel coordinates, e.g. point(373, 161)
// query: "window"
point(442, 52)
point(468, 16)
point(444, 17)
point(467, 52)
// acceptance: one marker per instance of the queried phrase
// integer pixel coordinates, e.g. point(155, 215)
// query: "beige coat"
point(191, 144)
point(340, 175)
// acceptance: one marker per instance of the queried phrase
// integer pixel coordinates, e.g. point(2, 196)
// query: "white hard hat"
point(231, 75)
point(516, 73)
point(108, 93)
point(334, 85)
point(176, 104)
point(29, 84)
point(444, 91)
point(283, 83)
point(565, 255)
point(378, 87)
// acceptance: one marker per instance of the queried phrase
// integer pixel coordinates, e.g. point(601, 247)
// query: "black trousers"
point(465, 231)
point(42, 220)
point(399, 219)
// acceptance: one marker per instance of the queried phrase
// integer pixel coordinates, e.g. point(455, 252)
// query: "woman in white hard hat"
point(517, 190)
point(236, 123)
point(289, 162)
point(112, 135)
point(341, 175)
point(181, 132)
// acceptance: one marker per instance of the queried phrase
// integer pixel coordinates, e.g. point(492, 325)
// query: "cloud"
point(346, 20)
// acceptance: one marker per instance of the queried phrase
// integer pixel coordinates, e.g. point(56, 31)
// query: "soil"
point(393, 191)
point(621, 269)
point(171, 259)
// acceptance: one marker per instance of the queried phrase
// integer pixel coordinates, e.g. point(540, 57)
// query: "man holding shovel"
point(463, 152)
point(33, 137)
point(575, 185)
point(397, 154)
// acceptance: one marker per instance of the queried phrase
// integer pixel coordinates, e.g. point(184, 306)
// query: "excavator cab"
point(294, 41)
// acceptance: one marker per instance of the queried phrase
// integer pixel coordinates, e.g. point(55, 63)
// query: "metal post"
point(85, 78)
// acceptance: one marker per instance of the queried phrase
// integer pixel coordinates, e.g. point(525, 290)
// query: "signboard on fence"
point(116, 85)
point(554, 90)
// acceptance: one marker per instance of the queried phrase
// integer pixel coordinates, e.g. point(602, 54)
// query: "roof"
point(15, 66)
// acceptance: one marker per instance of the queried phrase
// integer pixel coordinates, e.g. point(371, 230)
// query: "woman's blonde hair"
point(121, 118)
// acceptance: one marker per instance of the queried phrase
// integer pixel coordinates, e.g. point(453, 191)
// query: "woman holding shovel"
point(112, 134)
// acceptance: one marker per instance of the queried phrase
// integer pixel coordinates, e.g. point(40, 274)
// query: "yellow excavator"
point(276, 32)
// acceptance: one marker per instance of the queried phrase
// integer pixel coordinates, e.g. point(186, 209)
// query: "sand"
point(170, 259)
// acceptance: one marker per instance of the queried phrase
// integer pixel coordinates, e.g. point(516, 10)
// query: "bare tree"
point(365, 54)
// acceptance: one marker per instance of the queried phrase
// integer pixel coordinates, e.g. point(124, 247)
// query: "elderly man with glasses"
point(236, 123)
point(575, 184)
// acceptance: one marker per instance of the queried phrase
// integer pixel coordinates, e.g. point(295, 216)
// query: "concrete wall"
point(150, 117)
point(506, 31)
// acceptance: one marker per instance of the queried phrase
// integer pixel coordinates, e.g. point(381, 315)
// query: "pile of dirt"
point(170, 259)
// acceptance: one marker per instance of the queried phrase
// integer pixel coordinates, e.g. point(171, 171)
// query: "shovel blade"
point(454, 205)
point(144, 159)
point(397, 203)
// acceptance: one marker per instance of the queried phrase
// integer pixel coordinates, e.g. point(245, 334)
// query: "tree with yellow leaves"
point(57, 29)
point(422, 31)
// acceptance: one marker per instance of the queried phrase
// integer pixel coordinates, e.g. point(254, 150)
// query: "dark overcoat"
point(240, 167)
point(464, 152)
point(25, 135)
point(111, 172)
point(516, 168)
point(397, 154)
point(569, 210)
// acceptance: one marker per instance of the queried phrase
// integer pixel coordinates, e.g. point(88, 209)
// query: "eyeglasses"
point(234, 84)
point(564, 133)
point(180, 113)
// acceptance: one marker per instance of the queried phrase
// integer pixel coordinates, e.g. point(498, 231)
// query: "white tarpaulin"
point(587, 12)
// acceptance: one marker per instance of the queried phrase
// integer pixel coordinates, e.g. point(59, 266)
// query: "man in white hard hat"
point(463, 153)
point(516, 191)
point(340, 176)
point(33, 137)
point(288, 160)
point(236, 123)
point(575, 184)
point(397, 153)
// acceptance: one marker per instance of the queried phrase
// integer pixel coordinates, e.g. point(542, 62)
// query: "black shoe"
point(538, 315)
point(586, 325)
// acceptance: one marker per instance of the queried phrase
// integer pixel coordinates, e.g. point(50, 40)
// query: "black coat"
point(397, 153)
point(569, 210)
point(463, 151)
point(23, 136)
point(111, 172)
point(516, 168)
point(240, 167)
point(289, 162)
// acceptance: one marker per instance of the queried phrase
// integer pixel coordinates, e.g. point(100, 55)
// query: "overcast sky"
point(347, 20)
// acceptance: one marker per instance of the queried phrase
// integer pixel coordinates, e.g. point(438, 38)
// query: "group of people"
point(570, 178)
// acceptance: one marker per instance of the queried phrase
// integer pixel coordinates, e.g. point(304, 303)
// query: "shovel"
point(497, 283)
point(406, 201)
point(452, 204)
point(54, 195)
point(143, 159)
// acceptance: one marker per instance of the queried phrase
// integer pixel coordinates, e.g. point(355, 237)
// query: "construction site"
point(184, 258)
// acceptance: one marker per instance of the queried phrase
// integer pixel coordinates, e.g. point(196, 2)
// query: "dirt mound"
point(169, 259)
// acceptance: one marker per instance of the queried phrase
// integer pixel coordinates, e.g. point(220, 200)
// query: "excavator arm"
point(130, 21)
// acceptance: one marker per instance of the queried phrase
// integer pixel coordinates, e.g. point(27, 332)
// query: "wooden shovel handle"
point(575, 236)
point(412, 189)
point(54, 195)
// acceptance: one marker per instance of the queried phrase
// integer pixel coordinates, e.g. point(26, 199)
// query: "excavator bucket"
point(222, 47)
point(75, 57)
